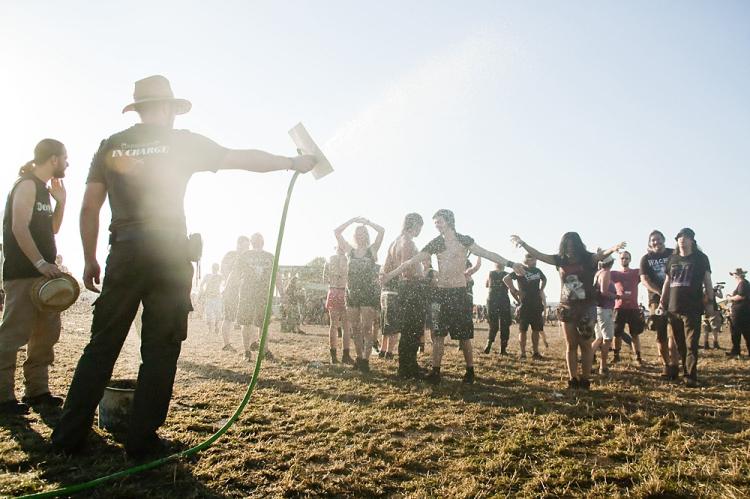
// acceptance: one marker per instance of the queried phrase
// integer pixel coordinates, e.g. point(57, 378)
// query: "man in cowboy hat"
point(29, 227)
point(740, 299)
point(144, 170)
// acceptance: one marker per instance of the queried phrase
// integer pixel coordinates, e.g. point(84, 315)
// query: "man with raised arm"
point(454, 317)
point(144, 170)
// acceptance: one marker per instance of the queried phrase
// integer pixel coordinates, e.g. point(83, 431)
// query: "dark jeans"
point(686, 329)
point(412, 303)
point(157, 274)
point(740, 329)
point(498, 317)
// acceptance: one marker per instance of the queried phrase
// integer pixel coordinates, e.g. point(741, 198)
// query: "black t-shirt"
point(686, 274)
point(529, 285)
point(498, 289)
point(146, 169)
point(577, 279)
point(654, 266)
point(742, 307)
point(16, 264)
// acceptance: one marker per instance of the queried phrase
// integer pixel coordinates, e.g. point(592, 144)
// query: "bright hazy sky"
point(608, 118)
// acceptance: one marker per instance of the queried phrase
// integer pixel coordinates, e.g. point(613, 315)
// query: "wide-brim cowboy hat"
point(55, 294)
point(156, 89)
point(739, 272)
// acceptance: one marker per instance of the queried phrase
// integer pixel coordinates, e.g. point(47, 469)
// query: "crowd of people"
point(599, 308)
point(143, 171)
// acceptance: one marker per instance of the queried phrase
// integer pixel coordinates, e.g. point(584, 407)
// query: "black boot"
point(434, 377)
point(334, 360)
point(469, 376)
point(346, 358)
point(488, 347)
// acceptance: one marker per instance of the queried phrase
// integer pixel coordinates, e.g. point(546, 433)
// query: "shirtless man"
point(405, 301)
point(451, 249)
point(230, 295)
point(210, 294)
point(254, 268)
point(334, 274)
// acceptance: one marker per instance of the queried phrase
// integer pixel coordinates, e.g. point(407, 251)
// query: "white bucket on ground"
point(116, 405)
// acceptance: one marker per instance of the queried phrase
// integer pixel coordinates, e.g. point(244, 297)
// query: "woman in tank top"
point(363, 290)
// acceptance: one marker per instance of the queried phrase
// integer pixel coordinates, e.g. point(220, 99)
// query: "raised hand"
point(516, 241)
point(57, 190)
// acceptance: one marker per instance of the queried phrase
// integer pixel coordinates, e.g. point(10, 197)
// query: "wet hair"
point(579, 249)
point(448, 216)
point(256, 240)
point(628, 252)
point(363, 228)
point(44, 150)
point(412, 221)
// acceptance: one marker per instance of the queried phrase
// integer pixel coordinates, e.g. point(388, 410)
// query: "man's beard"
point(60, 173)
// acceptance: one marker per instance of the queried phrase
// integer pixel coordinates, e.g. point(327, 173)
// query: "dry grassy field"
point(316, 429)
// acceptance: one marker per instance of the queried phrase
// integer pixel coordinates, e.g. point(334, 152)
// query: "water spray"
point(305, 145)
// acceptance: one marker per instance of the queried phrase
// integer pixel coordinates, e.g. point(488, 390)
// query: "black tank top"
point(17, 265)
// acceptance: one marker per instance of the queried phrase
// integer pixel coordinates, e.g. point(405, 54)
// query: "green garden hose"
point(248, 393)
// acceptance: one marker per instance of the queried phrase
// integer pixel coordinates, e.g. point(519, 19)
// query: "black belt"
point(122, 235)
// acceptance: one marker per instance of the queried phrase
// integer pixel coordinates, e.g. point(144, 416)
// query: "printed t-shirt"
point(146, 169)
point(686, 274)
point(654, 266)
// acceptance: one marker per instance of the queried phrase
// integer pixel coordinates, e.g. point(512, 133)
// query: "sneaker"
point(537, 356)
point(375, 347)
point(584, 384)
point(573, 384)
point(346, 358)
point(13, 406)
point(433, 378)
point(228, 348)
point(469, 377)
point(45, 399)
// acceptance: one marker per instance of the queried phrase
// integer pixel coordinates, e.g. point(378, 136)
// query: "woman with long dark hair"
point(577, 267)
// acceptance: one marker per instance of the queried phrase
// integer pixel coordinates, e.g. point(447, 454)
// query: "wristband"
point(39, 263)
